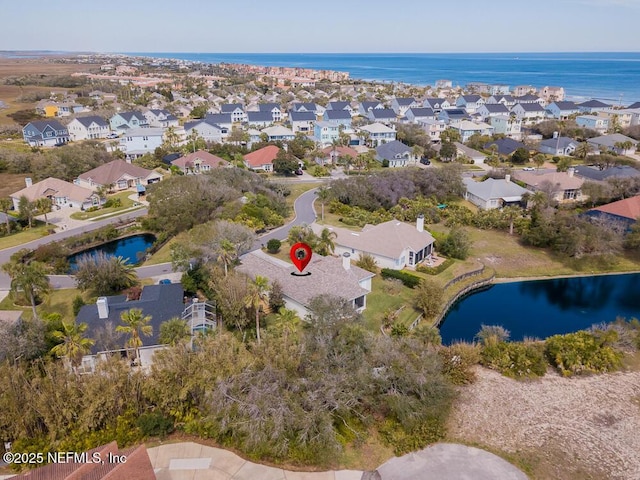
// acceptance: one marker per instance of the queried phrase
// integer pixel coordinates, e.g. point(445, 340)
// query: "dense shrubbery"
point(407, 279)
point(515, 359)
point(584, 352)
point(435, 270)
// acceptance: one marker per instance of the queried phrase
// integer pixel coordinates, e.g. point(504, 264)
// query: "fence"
point(469, 288)
point(464, 276)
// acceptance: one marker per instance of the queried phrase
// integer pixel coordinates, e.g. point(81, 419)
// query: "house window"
point(569, 194)
point(410, 258)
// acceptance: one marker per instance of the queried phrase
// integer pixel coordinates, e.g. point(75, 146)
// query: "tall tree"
point(323, 193)
point(135, 325)
point(104, 274)
point(73, 344)
point(26, 210)
point(326, 244)
point(29, 278)
point(43, 206)
point(5, 206)
point(258, 290)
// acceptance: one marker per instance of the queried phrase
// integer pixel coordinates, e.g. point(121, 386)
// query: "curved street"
point(304, 214)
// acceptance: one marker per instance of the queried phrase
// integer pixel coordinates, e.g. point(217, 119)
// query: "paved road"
point(304, 214)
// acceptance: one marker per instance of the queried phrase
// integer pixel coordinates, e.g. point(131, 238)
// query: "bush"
point(583, 352)
point(515, 359)
point(458, 360)
point(155, 424)
point(78, 303)
point(407, 279)
point(457, 244)
point(367, 262)
point(273, 245)
point(112, 203)
point(436, 270)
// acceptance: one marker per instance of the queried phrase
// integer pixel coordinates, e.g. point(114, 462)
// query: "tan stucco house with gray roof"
point(328, 276)
point(393, 244)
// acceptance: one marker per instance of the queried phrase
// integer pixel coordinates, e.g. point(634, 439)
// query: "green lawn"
point(58, 301)
point(126, 202)
point(24, 236)
point(164, 254)
point(379, 301)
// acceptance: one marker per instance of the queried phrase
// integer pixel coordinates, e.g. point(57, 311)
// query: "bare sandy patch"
point(571, 428)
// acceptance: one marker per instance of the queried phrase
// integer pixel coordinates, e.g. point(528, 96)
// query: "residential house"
point(615, 142)
point(45, 133)
point(392, 244)
point(117, 175)
point(199, 162)
point(61, 194)
point(530, 98)
point(469, 153)
point(529, 113)
point(505, 146)
point(331, 155)
point(66, 109)
point(634, 105)
point(364, 107)
point(453, 115)
point(522, 90)
point(415, 115)
point(489, 110)
point(437, 104)
point(625, 212)
point(470, 103)
point(255, 136)
point(593, 122)
point(222, 119)
point(341, 106)
point(161, 119)
point(478, 88)
point(207, 130)
point(592, 106)
point(125, 120)
point(382, 115)
point(160, 302)
point(433, 128)
point(302, 121)
point(506, 100)
point(444, 84)
point(396, 153)
point(552, 94)
point(47, 108)
point(618, 119)
point(278, 133)
point(135, 142)
point(559, 146)
point(314, 108)
point(467, 128)
point(338, 117)
point(326, 132)
point(326, 276)
point(260, 119)
point(262, 159)
point(595, 174)
point(236, 110)
point(377, 134)
point(493, 193)
point(273, 108)
point(562, 110)
point(400, 105)
point(499, 89)
point(508, 125)
point(562, 186)
point(88, 128)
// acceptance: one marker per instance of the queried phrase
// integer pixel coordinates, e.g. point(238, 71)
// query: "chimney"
point(507, 177)
point(28, 182)
point(571, 171)
point(346, 260)
point(420, 223)
point(103, 307)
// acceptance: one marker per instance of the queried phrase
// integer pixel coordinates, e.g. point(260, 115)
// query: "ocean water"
point(610, 76)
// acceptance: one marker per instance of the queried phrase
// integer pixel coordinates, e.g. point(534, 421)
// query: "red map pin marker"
point(300, 255)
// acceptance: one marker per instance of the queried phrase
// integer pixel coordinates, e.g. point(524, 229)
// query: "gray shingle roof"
point(337, 105)
point(493, 188)
point(268, 107)
point(303, 116)
point(161, 302)
point(559, 142)
point(230, 107)
point(218, 118)
point(128, 116)
point(594, 173)
point(421, 112)
point(337, 115)
point(40, 125)
point(566, 105)
point(259, 117)
point(531, 107)
point(390, 150)
point(593, 104)
point(309, 106)
point(506, 146)
point(379, 113)
point(496, 108)
point(611, 140)
point(405, 102)
point(87, 121)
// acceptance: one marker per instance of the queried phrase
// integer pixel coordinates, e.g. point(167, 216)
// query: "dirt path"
point(562, 428)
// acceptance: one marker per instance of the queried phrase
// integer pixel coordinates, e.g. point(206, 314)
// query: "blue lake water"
point(544, 308)
point(130, 248)
point(612, 76)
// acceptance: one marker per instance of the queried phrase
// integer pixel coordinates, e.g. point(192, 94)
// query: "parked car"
point(425, 161)
point(113, 135)
point(298, 172)
point(528, 169)
point(164, 281)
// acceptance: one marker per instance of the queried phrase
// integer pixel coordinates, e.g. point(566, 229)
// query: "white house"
point(302, 121)
point(470, 103)
point(364, 107)
point(262, 159)
point(137, 141)
point(278, 133)
point(393, 244)
point(88, 128)
point(326, 276)
point(161, 119)
point(400, 105)
point(418, 114)
point(593, 122)
point(436, 104)
point(467, 128)
point(529, 113)
point(614, 143)
point(396, 153)
point(117, 175)
point(125, 120)
point(433, 128)
point(378, 134)
point(382, 115)
point(61, 194)
point(272, 108)
point(508, 125)
point(562, 110)
point(488, 110)
point(559, 146)
point(238, 115)
point(493, 193)
point(206, 129)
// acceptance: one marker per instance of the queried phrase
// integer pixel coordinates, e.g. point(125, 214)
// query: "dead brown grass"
point(554, 427)
point(10, 183)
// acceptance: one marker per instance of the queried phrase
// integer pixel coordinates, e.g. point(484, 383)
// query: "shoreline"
point(556, 277)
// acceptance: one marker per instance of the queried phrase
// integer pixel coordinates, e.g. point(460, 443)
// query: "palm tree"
point(323, 194)
point(135, 325)
point(326, 242)
point(417, 151)
point(226, 254)
point(43, 205)
point(73, 345)
point(5, 206)
point(30, 278)
point(287, 321)
point(539, 160)
point(256, 296)
point(582, 150)
point(26, 210)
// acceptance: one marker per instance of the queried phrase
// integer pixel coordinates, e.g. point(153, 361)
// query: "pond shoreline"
point(497, 280)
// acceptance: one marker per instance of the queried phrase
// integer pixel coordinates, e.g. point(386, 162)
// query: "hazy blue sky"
point(320, 26)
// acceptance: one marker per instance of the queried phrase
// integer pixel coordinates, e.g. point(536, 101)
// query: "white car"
point(528, 169)
point(113, 135)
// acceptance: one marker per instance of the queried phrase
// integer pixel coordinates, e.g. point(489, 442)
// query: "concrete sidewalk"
point(442, 461)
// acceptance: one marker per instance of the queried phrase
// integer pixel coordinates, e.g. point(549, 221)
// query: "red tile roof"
point(205, 158)
point(627, 208)
point(264, 156)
